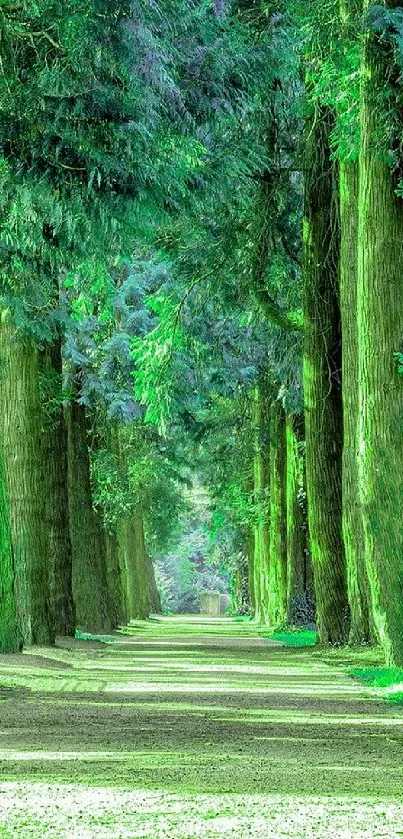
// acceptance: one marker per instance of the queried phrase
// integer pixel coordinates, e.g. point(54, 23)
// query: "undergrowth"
point(295, 637)
point(389, 680)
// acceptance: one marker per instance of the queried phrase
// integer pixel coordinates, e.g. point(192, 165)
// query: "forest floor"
point(186, 728)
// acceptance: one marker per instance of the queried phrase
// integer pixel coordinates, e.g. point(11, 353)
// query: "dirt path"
point(185, 730)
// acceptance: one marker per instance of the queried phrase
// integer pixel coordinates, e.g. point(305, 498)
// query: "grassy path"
point(194, 729)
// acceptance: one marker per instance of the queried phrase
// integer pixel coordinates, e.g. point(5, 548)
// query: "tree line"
point(201, 261)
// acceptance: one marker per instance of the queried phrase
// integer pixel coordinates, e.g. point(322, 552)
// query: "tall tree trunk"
point(20, 432)
point(357, 582)
point(261, 508)
point(250, 552)
point(240, 602)
point(134, 566)
point(154, 598)
point(114, 580)
point(380, 390)
point(322, 383)
point(278, 517)
point(54, 440)
point(296, 526)
point(90, 586)
point(10, 632)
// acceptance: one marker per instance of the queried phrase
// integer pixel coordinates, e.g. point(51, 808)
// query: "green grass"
point(88, 636)
point(291, 637)
point(241, 618)
point(389, 679)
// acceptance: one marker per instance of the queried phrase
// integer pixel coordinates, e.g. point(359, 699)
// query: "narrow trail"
point(194, 728)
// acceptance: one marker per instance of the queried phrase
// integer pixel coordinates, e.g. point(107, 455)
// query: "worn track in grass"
point(184, 728)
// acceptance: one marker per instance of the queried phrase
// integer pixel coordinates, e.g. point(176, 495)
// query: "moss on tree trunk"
point(278, 517)
point(153, 593)
point(357, 582)
point(322, 382)
point(54, 441)
point(134, 564)
point(250, 552)
point(114, 579)
point(261, 540)
point(380, 389)
point(90, 584)
point(10, 632)
point(297, 577)
point(24, 470)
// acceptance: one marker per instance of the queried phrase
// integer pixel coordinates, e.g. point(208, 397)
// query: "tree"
point(322, 381)
point(93, 610)
point(299, 582)
point(20, 441)
point(348, 149)
point(54, 444)
point(380, 328)
point(10, 628)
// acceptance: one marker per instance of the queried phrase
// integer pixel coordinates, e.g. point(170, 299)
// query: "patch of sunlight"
point(179, 666)
point(63, 811)
point(386, 682)
point(212, 686)
point(395, 688)
point(291, 718)
point(12, 755)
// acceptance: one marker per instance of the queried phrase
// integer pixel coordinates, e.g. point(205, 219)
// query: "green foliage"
point(388, 678)
point(398, 356)
point(386, 26)
point(156, 361)
point(197, 562)
point(295, 637)
point(143, 473)
point(53, 398)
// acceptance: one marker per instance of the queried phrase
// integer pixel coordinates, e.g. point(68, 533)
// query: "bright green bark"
point(90, 585)
point(357, 581)
point(322, 382)
point(114, 579)
point(54, 442)
point(278, 517)
point(133, 559)
point(20, 432)
point(134, 565)
point(250, 552)
point(297, 557)
point(380, 389)
point(154, 599)
point(261, 556)
point(10, 633)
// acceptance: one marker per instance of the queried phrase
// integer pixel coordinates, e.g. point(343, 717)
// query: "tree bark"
point(135, 572)
point(114, 579)
point(250, 552)
point(153, 593)
point(322, 382)
point(20, 432)
point(278, 517)
point(54, 441)
point(10, 632)
point(357, 581)
point(90, 587)
point(297, 577)
point(261, 508)
point(380, 389)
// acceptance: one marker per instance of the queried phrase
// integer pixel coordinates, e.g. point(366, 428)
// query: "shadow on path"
point(184, 729)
